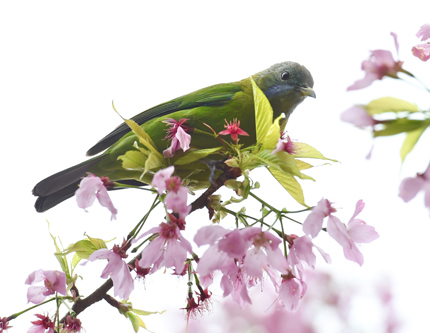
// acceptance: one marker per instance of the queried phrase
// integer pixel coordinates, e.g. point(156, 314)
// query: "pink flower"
point(381, 63)
point(233, 129)
point(357, 231)
point(170, 248)
point(92, 187)
point(176, 198)
point(117, 269)
point(40, 326)
point(410, 186)
point(424, 32)
point(54, 281)
point(161, 177)
point(241, 255)
point(72, 325)
point(177, 201)
point(178, 134)
point(284, 145)
point(422, 51)
point(291, 291)
point(301, 251)
point(4, 324)
point(357, 116)
point(313, 223)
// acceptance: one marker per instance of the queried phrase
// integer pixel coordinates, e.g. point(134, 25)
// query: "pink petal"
point(86, 193)
point(313, 223)
point(396, 43)
point(357, 116)
point(123, 283)
point(152, 252)
point(35, 294)
point(35, 276)
point(277, 260)
point(353, 253)
point(175, 255)
point(100, 254)
point(233, 244)
point(421, 51)
point(209, 234)
point(359, 206)
point(325, 255)
point(211, 260)
point(254, 262)
point(360, 232)
point(104, 199)
point(178, 202)
point(424, 32)
point(303, 249)
point(183, 138)
point(409, 187)
point(290, 293)
point(58, 281)
point(160, 177)
point(337, 230)
point(364, 82)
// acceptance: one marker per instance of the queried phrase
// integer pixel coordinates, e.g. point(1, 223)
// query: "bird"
point(285, 85)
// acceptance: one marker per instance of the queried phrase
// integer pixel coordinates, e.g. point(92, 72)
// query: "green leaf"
point(271, 139)
point(84, 248)
point(400, 125)
point(290, 184)
point(136, 321)
point(411, 139)
point(263, 113)
point(196, 155)
point(304, 150)
point(303, 165)
point(60, 257)
point(133, 160)
point(389, 104)
point(153, 162)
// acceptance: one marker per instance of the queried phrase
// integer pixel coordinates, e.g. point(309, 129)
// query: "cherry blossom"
point(357, 231)
point(314, 221)
point(291, 291)
point(357, 116)
point(54, 281)
point(284, 144)
point(4, 324)
point(381, 63)
point(176, 198)
point(40, 326)
point(169, 248)
point(241, 255)
point(233, 129)
point(117, 269)
point(410, 187)
point(178, 134)
point(92, 187)
point(72, 325)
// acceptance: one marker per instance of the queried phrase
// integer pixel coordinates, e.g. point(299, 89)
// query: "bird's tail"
point(61, 186)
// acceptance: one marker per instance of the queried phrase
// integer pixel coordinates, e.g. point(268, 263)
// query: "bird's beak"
point(306, 91)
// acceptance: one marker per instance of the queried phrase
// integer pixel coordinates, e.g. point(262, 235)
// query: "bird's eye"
point(285, 75)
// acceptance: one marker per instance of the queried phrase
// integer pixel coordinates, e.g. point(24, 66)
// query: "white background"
point(63, 62)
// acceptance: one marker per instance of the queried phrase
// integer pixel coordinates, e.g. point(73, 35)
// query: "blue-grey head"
point(286, 85)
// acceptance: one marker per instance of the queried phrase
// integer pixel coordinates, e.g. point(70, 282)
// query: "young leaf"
point(303, 150)
point(399, 126)
point(263, 113)
point(196, 155)
point(133, 160)
point(153, 162)
point(274, 133)
point(290, 184)
point(389, 104)
point(411, 139)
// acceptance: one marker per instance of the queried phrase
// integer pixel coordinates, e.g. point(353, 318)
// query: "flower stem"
point(15, 315)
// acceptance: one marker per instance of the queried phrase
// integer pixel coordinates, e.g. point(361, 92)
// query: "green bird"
point(285, 85)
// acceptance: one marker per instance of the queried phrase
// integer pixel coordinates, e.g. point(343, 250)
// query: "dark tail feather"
point(61, 186)
point(44, 203)
point(64, 178)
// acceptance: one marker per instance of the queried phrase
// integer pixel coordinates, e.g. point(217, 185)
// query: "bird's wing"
point(216, 95)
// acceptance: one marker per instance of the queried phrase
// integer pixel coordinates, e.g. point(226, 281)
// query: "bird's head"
point(286, 85)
